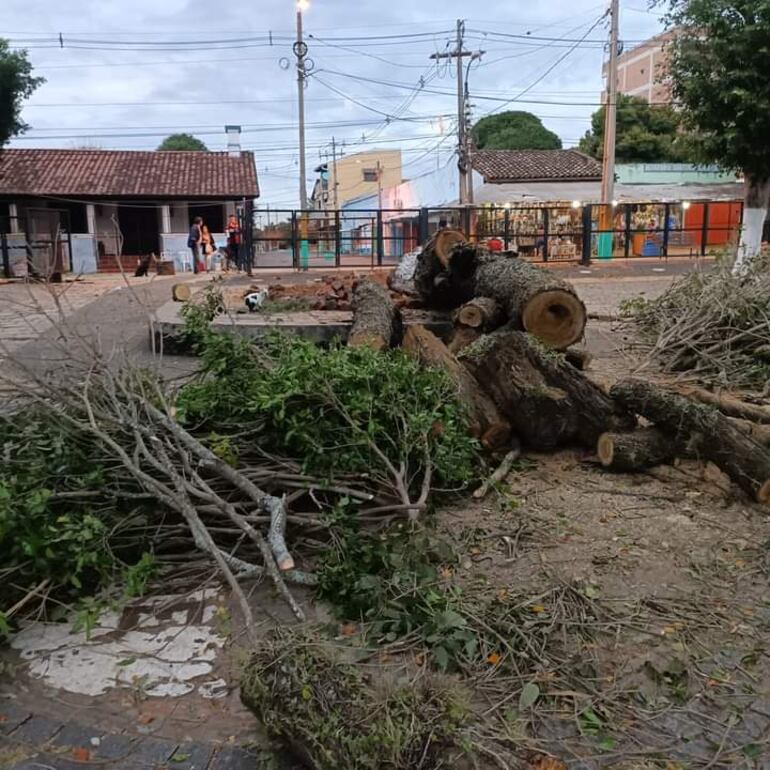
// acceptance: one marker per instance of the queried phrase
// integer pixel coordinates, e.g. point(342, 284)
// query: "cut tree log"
point(534, 299)
point(727, 404)
point(433, 262)
point(180, 292)
point(635, 451)
point(376, 320)
point(547, 400)
point(705, 428)
point(483, 313)
point(488, 425)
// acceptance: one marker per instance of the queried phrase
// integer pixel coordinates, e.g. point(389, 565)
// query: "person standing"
point(233, 241)
point(194, 241)
point(207, 245)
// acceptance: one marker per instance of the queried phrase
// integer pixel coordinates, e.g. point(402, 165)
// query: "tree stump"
point(712, 434)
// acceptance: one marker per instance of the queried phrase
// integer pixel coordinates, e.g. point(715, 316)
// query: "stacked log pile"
point(511, 360)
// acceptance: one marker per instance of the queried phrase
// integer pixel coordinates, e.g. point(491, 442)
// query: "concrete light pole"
point(300, 51)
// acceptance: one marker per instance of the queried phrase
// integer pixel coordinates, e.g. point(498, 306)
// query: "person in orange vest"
point(233, 241)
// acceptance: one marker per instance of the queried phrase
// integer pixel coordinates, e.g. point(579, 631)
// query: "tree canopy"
point(718, 63)
point(514, 130)
point(16, 84)
point(182, 142)
point(644, 133)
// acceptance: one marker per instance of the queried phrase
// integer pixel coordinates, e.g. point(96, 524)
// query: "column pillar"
point(165, 218)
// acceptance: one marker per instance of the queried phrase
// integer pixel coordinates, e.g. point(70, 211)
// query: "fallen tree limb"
point(742, 458)
point(727, 404)
point(482, 313)
point(499, 473)
point(376, 321)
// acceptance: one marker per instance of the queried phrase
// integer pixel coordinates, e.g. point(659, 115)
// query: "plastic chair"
point(185, 259)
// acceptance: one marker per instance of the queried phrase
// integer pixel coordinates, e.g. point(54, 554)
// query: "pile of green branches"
point(113, 470)
point(712, 325)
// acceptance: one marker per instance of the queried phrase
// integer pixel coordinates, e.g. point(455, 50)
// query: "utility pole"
point(300, 51)
point(462, 147)
point(610, 110)
point(334, 174)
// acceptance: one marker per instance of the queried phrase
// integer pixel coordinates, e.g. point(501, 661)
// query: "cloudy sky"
point(125, 74)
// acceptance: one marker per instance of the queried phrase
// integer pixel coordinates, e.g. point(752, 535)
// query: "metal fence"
point(548, 232)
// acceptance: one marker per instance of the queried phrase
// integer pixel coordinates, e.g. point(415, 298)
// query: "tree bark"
point(635, 451)
point(376, 321)
point(547, 400)
point(705, 429)
point(434, 260)
point(756, 201)
point(488, 425)
point(760, 433)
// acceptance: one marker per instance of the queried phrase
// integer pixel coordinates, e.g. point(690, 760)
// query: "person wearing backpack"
point(194, 241)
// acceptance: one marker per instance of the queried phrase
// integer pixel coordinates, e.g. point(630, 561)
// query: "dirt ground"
point(663, 574)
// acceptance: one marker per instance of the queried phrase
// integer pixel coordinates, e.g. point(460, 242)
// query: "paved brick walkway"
point(29, 742)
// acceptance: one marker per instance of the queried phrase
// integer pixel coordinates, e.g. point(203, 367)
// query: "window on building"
point(371, 175)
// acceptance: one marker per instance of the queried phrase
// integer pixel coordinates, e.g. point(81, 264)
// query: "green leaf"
point(529, 695)
point(607, 743)
point(441, 656)
point(752, 750)
point(126, 662)
point(178, 757)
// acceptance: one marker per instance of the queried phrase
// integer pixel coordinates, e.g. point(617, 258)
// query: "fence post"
point(506, 227)
point(6, 255)
point(294, 242)
point(466, 220)
point(422, 226)
point(704, 231)
point(337, 238)
point(587, 225)
point(666, 223)
point(546, 221)
point(248, 216)
point(628, 238)
point(380, 240)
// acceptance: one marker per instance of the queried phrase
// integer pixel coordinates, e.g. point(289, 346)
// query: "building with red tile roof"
point(81, 210)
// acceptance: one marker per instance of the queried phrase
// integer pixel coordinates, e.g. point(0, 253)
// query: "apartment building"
point(362, 173)
point(642, 70)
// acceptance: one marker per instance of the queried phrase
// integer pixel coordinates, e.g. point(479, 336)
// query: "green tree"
point(645, 134)
point(718, 64)
point(182, 142)
point(514, 131)
point(16, 85)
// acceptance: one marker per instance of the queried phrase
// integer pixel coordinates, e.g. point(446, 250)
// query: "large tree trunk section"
point(488, 425)
point(547, 400)
point(742, 458)
point(483, 313)
point(635, 451)
point(727, 404)
point(534, 298)
point(376, 321)
point(754, 214)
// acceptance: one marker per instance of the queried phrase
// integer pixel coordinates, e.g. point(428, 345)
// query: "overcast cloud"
point(116, 98)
